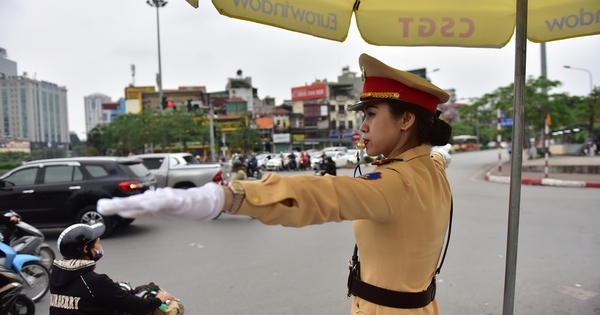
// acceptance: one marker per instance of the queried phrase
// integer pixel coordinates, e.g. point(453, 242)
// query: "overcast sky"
point(89, 47)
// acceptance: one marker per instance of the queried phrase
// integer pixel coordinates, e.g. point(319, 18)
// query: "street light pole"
point(592, 93)
point(159, 4)
point(589, 73)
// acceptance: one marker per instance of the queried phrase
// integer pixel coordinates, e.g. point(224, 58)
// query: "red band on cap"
point(408, 94)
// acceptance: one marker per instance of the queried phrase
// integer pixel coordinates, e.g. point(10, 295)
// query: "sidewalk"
point(563, 170)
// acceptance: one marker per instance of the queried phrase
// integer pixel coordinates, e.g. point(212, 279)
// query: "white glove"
point(198, 203)
point(444, 151)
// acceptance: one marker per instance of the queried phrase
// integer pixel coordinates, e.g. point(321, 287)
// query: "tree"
point(588, 110)
point(76, 144)
point(538, 103)
point(244, 138)
point(93, 144)
point(134, 132)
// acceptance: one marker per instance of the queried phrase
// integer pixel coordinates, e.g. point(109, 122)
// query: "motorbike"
point(12, 300)
point(151, 290)
point(256, 172)
point(291, 164)
point(26, 239)
point(33, 275)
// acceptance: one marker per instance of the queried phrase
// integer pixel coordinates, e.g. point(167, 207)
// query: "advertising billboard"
point(309, 92)
point(136, 92)
point(281, 138)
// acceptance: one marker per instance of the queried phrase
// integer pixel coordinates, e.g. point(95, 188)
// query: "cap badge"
point(364, 74)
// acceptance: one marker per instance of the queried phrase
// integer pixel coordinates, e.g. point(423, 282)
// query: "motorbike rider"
point(75, 289)
point(292, 161)
point(240, 172)
point(252, 165)
point(303, 161)
point(329, 167)
point(10, 220)
point(322, 161)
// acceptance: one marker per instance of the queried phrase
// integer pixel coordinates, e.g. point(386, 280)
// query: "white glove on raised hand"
point(444, 151)
point(198, 203)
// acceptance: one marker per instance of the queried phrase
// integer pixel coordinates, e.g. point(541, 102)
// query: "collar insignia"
point(386, 161)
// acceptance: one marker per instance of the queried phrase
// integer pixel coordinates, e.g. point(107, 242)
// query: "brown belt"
point(389, 298)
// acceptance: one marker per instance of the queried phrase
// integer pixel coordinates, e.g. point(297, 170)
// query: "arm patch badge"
point(371, 176)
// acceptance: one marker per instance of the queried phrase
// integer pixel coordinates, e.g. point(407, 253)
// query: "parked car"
point(351, 153)
point(262, 159)
point(343, 149)
point(494, 144)
point(182, 170)
point(274, 164)
point(56, 193)
point(315, 160)
point(339, 157)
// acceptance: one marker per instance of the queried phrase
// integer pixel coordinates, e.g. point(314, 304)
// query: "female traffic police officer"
point(401, 210)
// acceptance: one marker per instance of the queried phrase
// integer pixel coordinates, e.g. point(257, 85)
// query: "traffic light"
point(164, 102)
point(189, 105)
point(171, 104)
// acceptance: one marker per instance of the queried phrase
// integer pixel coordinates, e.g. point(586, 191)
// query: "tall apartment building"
point(8, 68)
point(94, 113)
point(33, 110)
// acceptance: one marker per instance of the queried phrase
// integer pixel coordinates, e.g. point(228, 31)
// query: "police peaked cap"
point(382, 82)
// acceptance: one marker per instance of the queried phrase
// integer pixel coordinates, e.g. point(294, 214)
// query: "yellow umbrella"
point(463, 23)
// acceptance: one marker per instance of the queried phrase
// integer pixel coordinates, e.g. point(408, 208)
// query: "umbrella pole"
point(516, 159)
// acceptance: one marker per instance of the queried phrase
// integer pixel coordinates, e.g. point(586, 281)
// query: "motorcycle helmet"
point(73, 239)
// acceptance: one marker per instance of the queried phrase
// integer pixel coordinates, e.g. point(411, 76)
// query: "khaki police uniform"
point(400, 213)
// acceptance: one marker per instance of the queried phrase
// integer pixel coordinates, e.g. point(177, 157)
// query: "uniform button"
point(256, 199)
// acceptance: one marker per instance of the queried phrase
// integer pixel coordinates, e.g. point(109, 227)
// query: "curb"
point(542, 181)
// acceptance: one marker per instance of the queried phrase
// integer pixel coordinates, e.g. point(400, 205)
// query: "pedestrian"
point(400, 211)
point(75, 287)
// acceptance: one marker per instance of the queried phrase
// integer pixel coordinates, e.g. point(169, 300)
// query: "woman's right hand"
point(164, 296)
point(197, 203)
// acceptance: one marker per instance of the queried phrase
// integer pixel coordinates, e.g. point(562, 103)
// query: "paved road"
point(236, 265)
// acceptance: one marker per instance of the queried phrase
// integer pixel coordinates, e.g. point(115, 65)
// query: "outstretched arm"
point(198, 203)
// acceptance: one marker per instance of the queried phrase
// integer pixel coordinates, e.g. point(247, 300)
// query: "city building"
point(321, 109)
point(33, 110)
point(242, 88)
point(450, 111)
point(342, 94)
point(14, 146)
point(8, 68)
point(265, 127)
point(95, 114)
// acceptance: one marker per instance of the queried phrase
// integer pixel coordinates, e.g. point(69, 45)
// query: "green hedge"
point(7, 166)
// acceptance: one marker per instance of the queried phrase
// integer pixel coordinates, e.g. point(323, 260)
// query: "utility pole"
point(211, 124)
point(159, 4)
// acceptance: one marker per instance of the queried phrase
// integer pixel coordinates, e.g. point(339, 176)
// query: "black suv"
point(56, 193)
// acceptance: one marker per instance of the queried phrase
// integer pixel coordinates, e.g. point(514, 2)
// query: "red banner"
point(309, 92)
